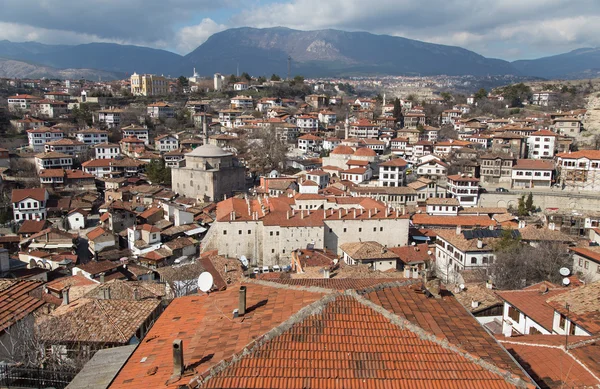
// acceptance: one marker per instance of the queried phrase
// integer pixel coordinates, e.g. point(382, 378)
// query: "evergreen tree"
point(522, 208)
point(529, 203)
point(275, 77)
point(397, 108)
point(481, 94)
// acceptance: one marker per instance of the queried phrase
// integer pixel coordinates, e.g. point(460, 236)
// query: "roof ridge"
point(305, 312)
point(105, 313)
point(405, 324)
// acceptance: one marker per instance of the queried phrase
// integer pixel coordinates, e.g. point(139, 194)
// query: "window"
point(580, 262)
point(359, 229)
point(249, 232)
point(277, 234)
point(473, 260)
point(587, 265)
point(572, 328)
point(239, 232)
point(271, 233)
point(224, 232)
point(344, 229)
point(562, 322)
point(514, 313)
point(381, 230)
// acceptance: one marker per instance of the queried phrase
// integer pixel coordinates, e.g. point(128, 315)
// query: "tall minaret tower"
point(205, 129)
point(346, 128)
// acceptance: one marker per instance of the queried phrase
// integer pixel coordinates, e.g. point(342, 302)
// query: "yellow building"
point(149, 85)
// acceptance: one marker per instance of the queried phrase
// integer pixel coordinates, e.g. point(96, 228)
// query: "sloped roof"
point(97, 321)
point(38, 194)
point(16, 301)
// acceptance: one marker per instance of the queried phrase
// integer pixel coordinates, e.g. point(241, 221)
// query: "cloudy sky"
point(508, 29)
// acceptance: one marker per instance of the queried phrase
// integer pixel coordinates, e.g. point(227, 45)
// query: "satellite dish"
point(244, 260)
point(564, 271)
point(205, 282)
point(462, 286)
point(566, 281)
point(413, 244)
point(429, 252)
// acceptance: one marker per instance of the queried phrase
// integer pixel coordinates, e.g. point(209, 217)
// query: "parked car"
point(482, 190)
point(502, 190)
point(265, 269)
point(276, 268)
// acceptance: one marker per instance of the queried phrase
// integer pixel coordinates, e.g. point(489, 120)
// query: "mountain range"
point(323, 53)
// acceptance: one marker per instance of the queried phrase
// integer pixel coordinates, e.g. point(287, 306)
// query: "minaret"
point(384, 99)
point(205, 129)
point(346, 128)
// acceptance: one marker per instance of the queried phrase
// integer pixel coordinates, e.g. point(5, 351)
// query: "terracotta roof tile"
point(450, 221)
point(584, 306)
point(209, 332)
point(16, 301)
point(38, 194)
point(532, 303)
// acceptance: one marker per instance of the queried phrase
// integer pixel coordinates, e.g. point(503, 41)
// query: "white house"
point(458, 250)
point(464, 188)
point(541, 144)
point(110, 117)
point(442, 206)
point(310, 142)
point(393, 172)
point(67, 146)
point(138, 132)
point(21, 103)
point(77, 219)
point(526, 311)
point(242, 102)
point(92, 136)
point(106, 150)
point(38, 137)
point(320, 177)
point(160, 110)
point(29, 204)
point(363, 128)
point(331, 143)
point(53, 160)
point(307, 123)
point(309, 187)
point(579, 170)
point(166, 143)
point(433, 169)
point(568, 126)
point(586, 260)
point(357, 175)
point(240, 86)
point(532, 173)
point(327, 118)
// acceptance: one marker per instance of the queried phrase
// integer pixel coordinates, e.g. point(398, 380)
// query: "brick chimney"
point(242, 301)
point(178, 366)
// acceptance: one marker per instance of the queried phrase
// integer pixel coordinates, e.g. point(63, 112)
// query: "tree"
point(245, 76)
point(447, 132)
point(446, 96)
point(263, 152)
point(516, 94)
point(182, 82)
point(262, 80)
point(481, 94)
point(233, 79)
point(158, 173)
point(397, 108)
point(298, 80)
point(83, 115)
point(518, 265)
point(529, 203)
point(522, 207)
point(275, 77)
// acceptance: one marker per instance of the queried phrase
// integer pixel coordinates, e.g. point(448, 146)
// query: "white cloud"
point(190, 37)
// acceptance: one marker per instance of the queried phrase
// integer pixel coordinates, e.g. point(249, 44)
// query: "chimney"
point(432, 286)
point(458, 230)
point(136, 295)
point(65, 294)
point(474, 304)
point(178, 357)
point(242, 301)
point(326, 273)
point(106, 293)
point(489, 284)
point(479, 243)
point(101, 278)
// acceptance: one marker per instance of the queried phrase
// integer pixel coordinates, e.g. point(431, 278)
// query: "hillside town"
point(283, 232)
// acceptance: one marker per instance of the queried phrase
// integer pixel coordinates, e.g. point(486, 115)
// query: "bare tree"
point(520, 265)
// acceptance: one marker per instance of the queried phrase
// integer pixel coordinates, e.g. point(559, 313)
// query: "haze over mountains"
point(323, 53)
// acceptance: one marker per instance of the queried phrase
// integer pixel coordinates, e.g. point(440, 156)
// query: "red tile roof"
point(396, 162)
point(413, 254)
point(364, 152)
point(532, 303)
point(16, 301)
point(32, 226)
point(209, 332)
point(351, 345)
point(589, 154)
point(546, 361)
point(449, 221)
point(533, 164)
point(38, 194)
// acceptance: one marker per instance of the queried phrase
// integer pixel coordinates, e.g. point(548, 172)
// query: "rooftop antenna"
point(289, 66)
